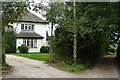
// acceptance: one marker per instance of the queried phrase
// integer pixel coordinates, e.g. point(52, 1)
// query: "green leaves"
point(12, 12)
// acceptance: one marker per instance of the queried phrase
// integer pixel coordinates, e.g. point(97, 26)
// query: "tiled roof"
point(30, 17)
point(28, 34)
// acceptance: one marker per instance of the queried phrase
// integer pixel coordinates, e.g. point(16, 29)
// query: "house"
point(31, 31)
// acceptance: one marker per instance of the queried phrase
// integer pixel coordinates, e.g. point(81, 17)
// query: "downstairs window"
point(32, 43)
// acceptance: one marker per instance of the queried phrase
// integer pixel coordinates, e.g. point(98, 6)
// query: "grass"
point(74, 68)
point(34, 56)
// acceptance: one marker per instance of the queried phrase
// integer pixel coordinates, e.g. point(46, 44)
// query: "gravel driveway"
point(27, 68)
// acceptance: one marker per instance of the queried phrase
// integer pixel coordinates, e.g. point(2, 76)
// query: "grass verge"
point(74, 68)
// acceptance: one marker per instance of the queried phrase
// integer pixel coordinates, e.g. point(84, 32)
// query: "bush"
point(44, 49)
point(23, 48)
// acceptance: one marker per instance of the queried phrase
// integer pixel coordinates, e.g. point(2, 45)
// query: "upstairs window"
point(22, 26)
point(28, 27)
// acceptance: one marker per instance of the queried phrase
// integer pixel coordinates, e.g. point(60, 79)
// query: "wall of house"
point(39, 29)
point(19, 42)
point(40, 43)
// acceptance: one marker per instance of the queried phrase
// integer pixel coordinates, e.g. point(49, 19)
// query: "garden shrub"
point(44, 49)
point(23, 48)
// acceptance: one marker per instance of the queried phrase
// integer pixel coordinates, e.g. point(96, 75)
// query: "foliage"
point(10, 41)
point(23, 48)
point(74, 68)
point(34, 56)
point(92, 25)
point(44, 49)
point(112, 48)
point(90, 49)
point(115, 37)
point(77, 67)
point(11, 12)
point(62, 42)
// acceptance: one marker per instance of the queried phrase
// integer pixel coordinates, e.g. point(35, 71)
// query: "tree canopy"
point(11, 12)
point(87, 25)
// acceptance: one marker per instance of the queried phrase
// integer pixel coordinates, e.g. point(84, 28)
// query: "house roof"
point(30, 17)
point(28, 34)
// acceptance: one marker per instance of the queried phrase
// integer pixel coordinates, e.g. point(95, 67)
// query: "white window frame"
point(28, 27)
point(32, 43)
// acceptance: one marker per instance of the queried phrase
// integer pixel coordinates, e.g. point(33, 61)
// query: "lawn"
point(35, 56)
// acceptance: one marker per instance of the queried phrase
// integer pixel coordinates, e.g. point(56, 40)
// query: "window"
point(33, 27)
point(30, 42)
point(24, 41)
point(29, 27)
point(35, 42)
point(22, 26)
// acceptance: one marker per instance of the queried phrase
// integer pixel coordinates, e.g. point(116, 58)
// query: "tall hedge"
point(89, 48)
point(10, 41)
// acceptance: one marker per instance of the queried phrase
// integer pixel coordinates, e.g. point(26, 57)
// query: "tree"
point(53, 13)
point(11, 12)
point(90, 20)
point(75, 24)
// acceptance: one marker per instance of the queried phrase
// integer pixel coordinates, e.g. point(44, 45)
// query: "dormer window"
point(28, 27)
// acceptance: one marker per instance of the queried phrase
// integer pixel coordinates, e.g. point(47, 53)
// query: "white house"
point(31, 31)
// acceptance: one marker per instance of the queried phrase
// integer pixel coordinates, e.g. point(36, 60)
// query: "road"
point(28, 68)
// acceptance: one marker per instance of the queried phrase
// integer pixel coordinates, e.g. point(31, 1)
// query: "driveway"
point(28, 68)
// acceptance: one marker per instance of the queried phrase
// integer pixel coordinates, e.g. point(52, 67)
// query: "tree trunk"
point(118, 53)
point(51, 45)
point(75, 37)
point(0, 48)
point(75, 48)
point(3, 48)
